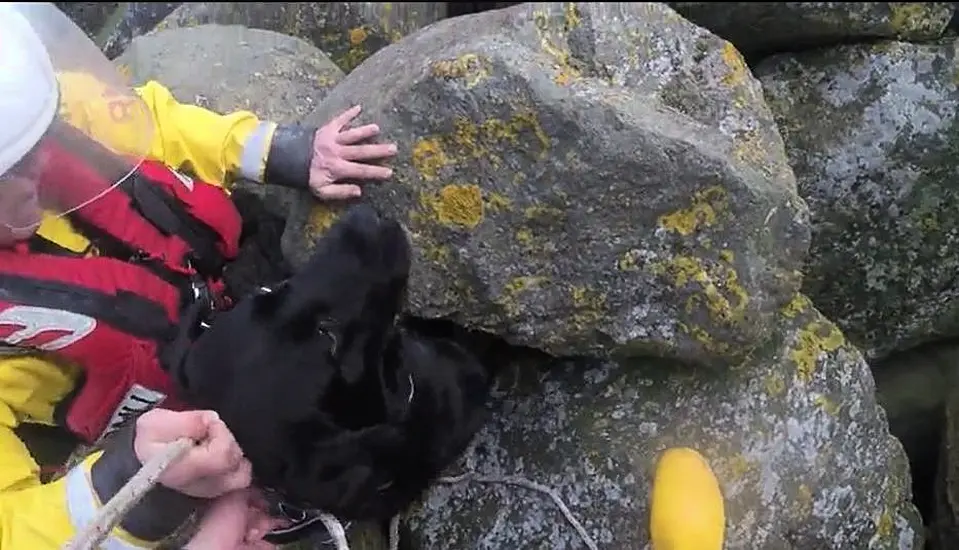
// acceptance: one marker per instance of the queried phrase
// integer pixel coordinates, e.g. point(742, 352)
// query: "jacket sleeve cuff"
point(291, 153)
point(254, 150)
point(161, 511)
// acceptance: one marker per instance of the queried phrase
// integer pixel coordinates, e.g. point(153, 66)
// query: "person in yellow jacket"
point(105, 239)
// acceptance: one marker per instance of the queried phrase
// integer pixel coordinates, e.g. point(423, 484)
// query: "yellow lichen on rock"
point(571, 16)
point(471, 141)
point(814, 339)
point(322, 216)
point(470, 67)
point(725, 298)
point(357, 51)
point(456, 205)
point(885, 527)
point(566, 71)
point(358, 35)
point(829, 406)
point(804, 500)
point(700, 335)
point(497, 202)
point(327, 79)
point(799, 304)
point(435, 253)
point(429, 157)
point(543, 214)
point(749, 149)
point(515, 286)
point(906, 17)
point(775, 385)
point(627, 262)
point(518, 284)
point(524, 237)
point(687, 511)
point(589, 306)
point(738, 72)
point(707, 205)
point(393, 34)
point(477, 141)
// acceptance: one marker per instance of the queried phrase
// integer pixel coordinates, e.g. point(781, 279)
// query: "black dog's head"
point(336, 406)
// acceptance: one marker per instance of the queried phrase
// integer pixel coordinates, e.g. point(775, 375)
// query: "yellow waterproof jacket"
point(35, 516)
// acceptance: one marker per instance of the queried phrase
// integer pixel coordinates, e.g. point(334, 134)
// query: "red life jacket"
point(162, 240)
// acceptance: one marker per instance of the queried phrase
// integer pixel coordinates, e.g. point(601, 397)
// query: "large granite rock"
point(871, 132)
point(800, 448)
point(348, 32)
point(757, 28)
point(582, 178)
point(229, 67)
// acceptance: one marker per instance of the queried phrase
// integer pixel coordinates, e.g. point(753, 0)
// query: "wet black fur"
point(312, 377)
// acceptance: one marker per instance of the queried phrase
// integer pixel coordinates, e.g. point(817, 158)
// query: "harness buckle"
point(202, 293)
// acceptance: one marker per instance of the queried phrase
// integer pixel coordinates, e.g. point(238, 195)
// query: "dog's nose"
point(363, 215)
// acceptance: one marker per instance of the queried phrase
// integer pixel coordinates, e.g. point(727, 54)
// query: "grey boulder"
point(871, 135)
point(582, 178)
point(795, 437)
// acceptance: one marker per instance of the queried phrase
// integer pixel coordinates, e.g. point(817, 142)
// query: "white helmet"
point(61, 97)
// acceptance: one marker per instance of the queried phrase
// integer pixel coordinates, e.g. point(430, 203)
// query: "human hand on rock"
point(339, 155)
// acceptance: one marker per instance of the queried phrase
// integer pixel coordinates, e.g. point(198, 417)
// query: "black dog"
point(338, 408)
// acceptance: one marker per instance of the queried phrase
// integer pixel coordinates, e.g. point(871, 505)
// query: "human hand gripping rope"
point(93, 535)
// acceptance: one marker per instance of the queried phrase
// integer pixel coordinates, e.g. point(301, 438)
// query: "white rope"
point(128, 496)
point(506, 480)
point(533, 486)
point(336, 531)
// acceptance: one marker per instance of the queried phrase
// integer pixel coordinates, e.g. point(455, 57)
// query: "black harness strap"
point(162, 210)
point(169, 216)
point(41, 245)
point(125, 311)
point(112, 247)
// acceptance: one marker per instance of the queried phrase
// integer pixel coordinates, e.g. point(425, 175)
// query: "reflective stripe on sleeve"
point(253, 158)
point(83, 505)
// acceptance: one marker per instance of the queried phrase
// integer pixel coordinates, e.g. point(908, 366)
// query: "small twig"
point(128, 496)
point(521, 482)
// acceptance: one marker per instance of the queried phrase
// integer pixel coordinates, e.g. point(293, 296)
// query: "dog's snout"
point(363, 216)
